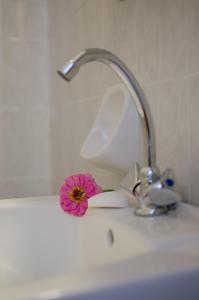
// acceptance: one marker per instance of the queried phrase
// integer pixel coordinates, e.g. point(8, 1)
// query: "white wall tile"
point(157, 39)
point(193, 140)
point(172, 131)
point(71, 124)
point(25, 143)
point(119, 34)
point(192, 36)
point(24, 99)
point(20, 187)
point(159, 42)
point(84, 30)
point(24, 20)
point(24, 74)
point(146, 23)
point(173, 35)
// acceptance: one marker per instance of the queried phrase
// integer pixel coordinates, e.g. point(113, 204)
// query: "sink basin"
point(39, 240)
point(48, 254)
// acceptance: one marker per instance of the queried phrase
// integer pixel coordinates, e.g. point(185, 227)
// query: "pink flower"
point(76, 191)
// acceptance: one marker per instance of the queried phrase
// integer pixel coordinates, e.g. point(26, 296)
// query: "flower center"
point(77, 194)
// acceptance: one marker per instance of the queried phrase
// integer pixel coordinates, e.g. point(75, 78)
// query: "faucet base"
point(152, 210)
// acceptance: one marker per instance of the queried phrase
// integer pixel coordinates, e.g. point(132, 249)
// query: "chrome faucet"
point(154, 192)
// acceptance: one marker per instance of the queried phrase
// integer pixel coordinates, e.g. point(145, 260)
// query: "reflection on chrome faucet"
point(154, 192)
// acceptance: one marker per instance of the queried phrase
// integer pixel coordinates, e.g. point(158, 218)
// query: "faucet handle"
point(157, 197)
point(163, 193)
point(167, 178)
point(164, 197)
point(157, 202)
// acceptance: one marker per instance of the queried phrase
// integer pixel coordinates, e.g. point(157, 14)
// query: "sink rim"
point(139, 267)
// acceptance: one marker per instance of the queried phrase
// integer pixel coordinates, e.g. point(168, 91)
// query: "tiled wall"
point(159, 41)
point(24, 99)
point(74, 106)
point(44, 120)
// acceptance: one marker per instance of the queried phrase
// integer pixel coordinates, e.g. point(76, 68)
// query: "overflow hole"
point(110, 237)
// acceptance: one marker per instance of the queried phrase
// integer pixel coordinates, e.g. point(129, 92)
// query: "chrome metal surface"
point(148, 178)
point(151, 210)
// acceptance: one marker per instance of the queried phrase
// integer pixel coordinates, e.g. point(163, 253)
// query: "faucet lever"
point(158, 197)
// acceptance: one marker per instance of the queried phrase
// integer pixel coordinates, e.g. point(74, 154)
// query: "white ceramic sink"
point(39, 240)
point(48, 254)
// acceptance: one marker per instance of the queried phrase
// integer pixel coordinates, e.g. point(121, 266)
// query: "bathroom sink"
point(39, 240)
point(48, 254)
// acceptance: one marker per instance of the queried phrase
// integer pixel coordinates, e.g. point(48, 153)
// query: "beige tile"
point(146, 22)
point(24, 75)
point(192, 12)
point(61, 12)
point(152, 96)
point(193, 109)
point(89, 24)
point(88, 33)
point(24, 20)
point(24, 135)
point(71, 125)
point(25, 187)
point(93, 78)
point(119, 28)
point(172, 132)
point(1, 33)
point(173, 34)
point(60, 21)
point(158, 40)
point(106, 179)
point(77, 35)
point(119, 34)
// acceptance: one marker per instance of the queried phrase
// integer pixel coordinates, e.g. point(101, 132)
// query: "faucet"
point(154, 191)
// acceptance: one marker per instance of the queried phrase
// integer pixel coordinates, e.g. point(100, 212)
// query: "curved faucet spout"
point(106, 57)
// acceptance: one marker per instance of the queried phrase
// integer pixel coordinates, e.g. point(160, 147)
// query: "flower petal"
point(84, 204)
point(82, 180)
point(70, 181)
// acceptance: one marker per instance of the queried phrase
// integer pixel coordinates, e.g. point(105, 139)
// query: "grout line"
point(78, 8)
point(22, 108)
point(171, 79)
point(83, 100)
point(189, 144)
point(157, 83)
point(24, 178)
